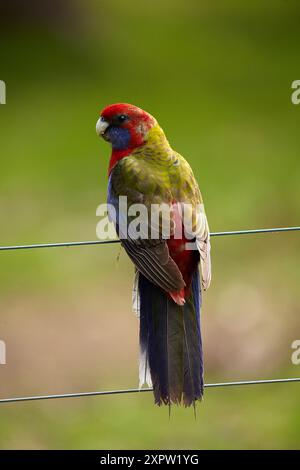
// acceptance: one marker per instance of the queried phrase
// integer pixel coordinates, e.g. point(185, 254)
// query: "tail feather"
point(175, 350)
point(170, 344)
point(193, 381)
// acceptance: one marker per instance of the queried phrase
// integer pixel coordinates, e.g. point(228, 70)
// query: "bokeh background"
point(217, 75)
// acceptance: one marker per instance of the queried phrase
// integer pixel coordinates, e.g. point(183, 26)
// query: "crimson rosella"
point(167, 292)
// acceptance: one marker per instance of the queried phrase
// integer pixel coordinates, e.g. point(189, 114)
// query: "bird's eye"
point(122, 118)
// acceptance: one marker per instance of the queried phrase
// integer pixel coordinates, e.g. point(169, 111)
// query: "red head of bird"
point(126, 127)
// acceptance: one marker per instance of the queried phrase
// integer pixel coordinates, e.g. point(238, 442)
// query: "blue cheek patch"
point(119, 137)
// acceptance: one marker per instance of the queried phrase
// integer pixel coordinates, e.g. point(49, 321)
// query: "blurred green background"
point(217, 76)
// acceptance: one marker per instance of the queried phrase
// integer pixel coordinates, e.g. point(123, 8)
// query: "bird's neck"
point(116, 156)
point(155, 141)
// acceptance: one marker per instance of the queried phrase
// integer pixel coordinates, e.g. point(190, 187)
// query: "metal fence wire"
point(136, 390)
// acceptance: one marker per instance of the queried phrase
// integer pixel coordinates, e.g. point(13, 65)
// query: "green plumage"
point(154, 173)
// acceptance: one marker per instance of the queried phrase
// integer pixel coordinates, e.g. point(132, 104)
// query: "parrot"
point(169, 275)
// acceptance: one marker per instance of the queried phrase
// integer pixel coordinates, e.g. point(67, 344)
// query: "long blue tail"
point(170, 343)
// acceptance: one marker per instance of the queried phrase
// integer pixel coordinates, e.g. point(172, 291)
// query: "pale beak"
point(101, 126)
